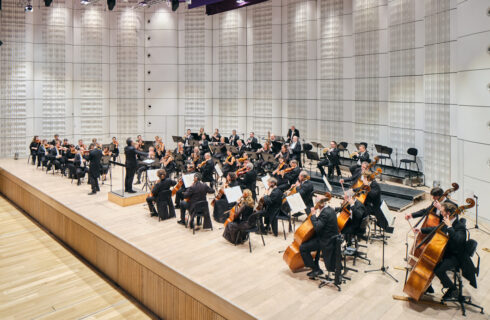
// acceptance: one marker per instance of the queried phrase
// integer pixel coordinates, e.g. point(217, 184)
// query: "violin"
point(199, 166)
point(241, 171)
point(305, 232)
point(242, 159)
point(421, 275)
point(286, 170)
point(278, 168)
point(220, 195)
point(229, 160)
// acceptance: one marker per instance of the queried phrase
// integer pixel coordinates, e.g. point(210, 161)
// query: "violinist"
point(357, 212)
point(249, 180)
point(324, 222)
point(114, 146)
point(230, 163)
point(284, 153)
point(277, 172)
point(33, 147)
point(168, 163)
point(360, 156)
point(455, 254)
point(65, 145)
point(332, 160)
point(94, 144)
point(195, 157)
point(80, 166)
point(42, 153)
point(233, 139)
point(207, 169)
point(139, 142)
point(195, 193)
point(160, 151)
point(55, 157)
point(222, 205)
point(164, 184)
point(106, 156)
point(221, 148)
point(55, 140)
point(244, 210)
point(290, 175)
point(80, 145)
point(272, 207)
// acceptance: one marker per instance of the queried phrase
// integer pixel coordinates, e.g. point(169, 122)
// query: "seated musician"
point(291, 176)
point(357, 213)
point(249, 180)
point(455, 254)
point(115, 148)
point(332, 160)
point(70, 158)
point(164, 184)
point(305, 188)
point(55, 140)
point(80, 165)
point(160, 151)
point(272, 207)
point(436, 194)
point(373, 200)
point(179, 196)
point(55, 157)
point(325, 225)
point(355, 175)
point(65, 144)
point(222, 205)
point(241, 148)
point(80, 145)
point(360, 156)
point(194, 194)
point(33, 147)
point(204, 144)
point(207, 169)
point(284, 153)
point(142, 166)
point(216, 137)
point(261, 164)
point(195, 157)
point(168, 163)
point(292, 132)
point(187, 139)
point(295, 150)
point(230, 163)
point(180, 152)
point(244, 210)
point(233, 138)
point(221, 149)
point(251, 142)
point(203, 133)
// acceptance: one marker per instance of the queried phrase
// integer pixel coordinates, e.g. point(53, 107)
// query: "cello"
point(422, 273)
point(304, 233)
point(359, 182)
point(344, 214)
point(431, 220)
point(177, 187)
point(232, 215)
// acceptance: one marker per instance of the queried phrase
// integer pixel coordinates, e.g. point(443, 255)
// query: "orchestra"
point(243, 164)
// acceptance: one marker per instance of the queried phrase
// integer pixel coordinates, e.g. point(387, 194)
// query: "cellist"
point(324, 222)
point(455, 254)
point(357, 212)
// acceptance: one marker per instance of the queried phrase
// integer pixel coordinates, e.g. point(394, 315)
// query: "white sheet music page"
point(188, 179)
point(233, 194)
point(296, 203)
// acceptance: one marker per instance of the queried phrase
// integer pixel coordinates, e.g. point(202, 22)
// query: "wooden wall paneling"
point(106, 258)
point(130, 275)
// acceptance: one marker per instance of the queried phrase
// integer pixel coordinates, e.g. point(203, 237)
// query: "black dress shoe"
point(314, 273)
point(154, 214)
point(91, 193)
point(450, 293)
point(181, 222)
point(98, 189)
point(79, 182)
point(131, 191)
point(137, 182)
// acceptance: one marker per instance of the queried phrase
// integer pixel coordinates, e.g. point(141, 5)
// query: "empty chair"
point(408, 162)
point(253, 222)
point(384, 153)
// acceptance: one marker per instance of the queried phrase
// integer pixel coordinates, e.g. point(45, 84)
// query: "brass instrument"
point(353, 154)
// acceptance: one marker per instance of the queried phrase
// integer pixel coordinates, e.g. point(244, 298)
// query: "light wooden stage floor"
point(41, 279)
point(259, 282)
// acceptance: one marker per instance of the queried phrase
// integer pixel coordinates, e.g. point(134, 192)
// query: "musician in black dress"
point(325, 225)
point(94, 170)
point(360, 156)
point(332, 160)
point(455, 255)
point(179, 196)
point(230, 163)
point(241, 222)
point(272, 204)
point(164, 184)
point(33, 147)
point(131, 164)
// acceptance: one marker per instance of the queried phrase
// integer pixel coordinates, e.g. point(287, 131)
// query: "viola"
point(421, 275)
point(232, 216)
point(305, 232)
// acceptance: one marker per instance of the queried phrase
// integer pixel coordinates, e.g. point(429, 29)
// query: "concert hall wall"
point(402, 73)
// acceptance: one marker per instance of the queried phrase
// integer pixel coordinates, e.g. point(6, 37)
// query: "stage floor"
point(258, 282)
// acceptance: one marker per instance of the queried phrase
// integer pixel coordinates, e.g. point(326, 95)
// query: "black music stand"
point(388, 228)
point(318, 146)
point(233, 149)
point(177, 139)
point(311, 155)
point(252, 155)
point(276, 146)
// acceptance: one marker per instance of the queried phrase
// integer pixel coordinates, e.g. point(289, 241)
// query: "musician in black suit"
point(356, 175)
point(455, 254)
point(41, 153)
point(272, 204)
point(249, 180)
point(194, 194)
point(216, 137)
point(357, 213)
point(204, 144)
point(251, 141)
point(291, 176)
point(241, 148)
point(207, 169)
point(94, 157)
point(292, 132)
point(131, 164)
point(55, 140)
point(325, 225)
point(305, 188)
point(295, 150)
point(80, 166)
point(163, 185)
point(332, 160)
point(436, 194)
point(232, 140)
point(55, 157)
point(373, 200)
point(360, 156)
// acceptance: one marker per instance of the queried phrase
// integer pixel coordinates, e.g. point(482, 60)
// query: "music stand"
point(195, 136)
point(177, 139)
point(233, 149)
point(276, 146)
point(388, 228)
point(317, 145)
point(312, 156)
point(252, 155)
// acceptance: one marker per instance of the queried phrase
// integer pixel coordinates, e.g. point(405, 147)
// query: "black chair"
point(165, 206)
point(253, 222)
point(285, 216)
point(200, 211)
point(342, 146)
point(471, 246)
point(408, 162)
point(384, 153)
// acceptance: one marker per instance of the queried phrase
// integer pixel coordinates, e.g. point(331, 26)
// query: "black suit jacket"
point(306, 192)
point(197, 192)
point(233, 139)
point(273, 203)
point(334, 157)
point(325, 225)
point(131, 153)
point(249, 181)
point(364, 157)
point(94, 157)
point(292, 176)
point(373, 198)
point(162, 185)
point(289, 136)
point(358, 211)
point(355, 176)
point(296, 151)
point(252, 142)
point(207, 170)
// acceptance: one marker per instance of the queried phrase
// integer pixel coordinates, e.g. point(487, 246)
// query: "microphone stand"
point(476, 216)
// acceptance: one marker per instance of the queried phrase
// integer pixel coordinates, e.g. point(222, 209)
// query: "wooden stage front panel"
point(178, 275)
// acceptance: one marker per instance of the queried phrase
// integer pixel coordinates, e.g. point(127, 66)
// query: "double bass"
point(344, 214)
point(422, 273)
point(359, 182)
point(429, 221)
point(304, 233)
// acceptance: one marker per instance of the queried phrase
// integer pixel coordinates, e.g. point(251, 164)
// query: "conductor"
point(94, 170)
point(131, 164)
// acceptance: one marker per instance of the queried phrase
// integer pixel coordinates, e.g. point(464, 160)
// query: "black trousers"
point(128, 183)
point(269, 221)
point(150, 200)
point(447, 263)
point(322, 164)
point(33, 155)
point(307, 248)
point(94, 181)
point(183, 207)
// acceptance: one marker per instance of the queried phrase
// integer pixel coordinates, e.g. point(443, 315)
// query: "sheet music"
point(218, 170)
point(265, 179)
point(296, 203)
point(233, 194)
point(152, 175)
point(188, 180)
point(387, 213)
point(149, 161)
point(329, 187)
